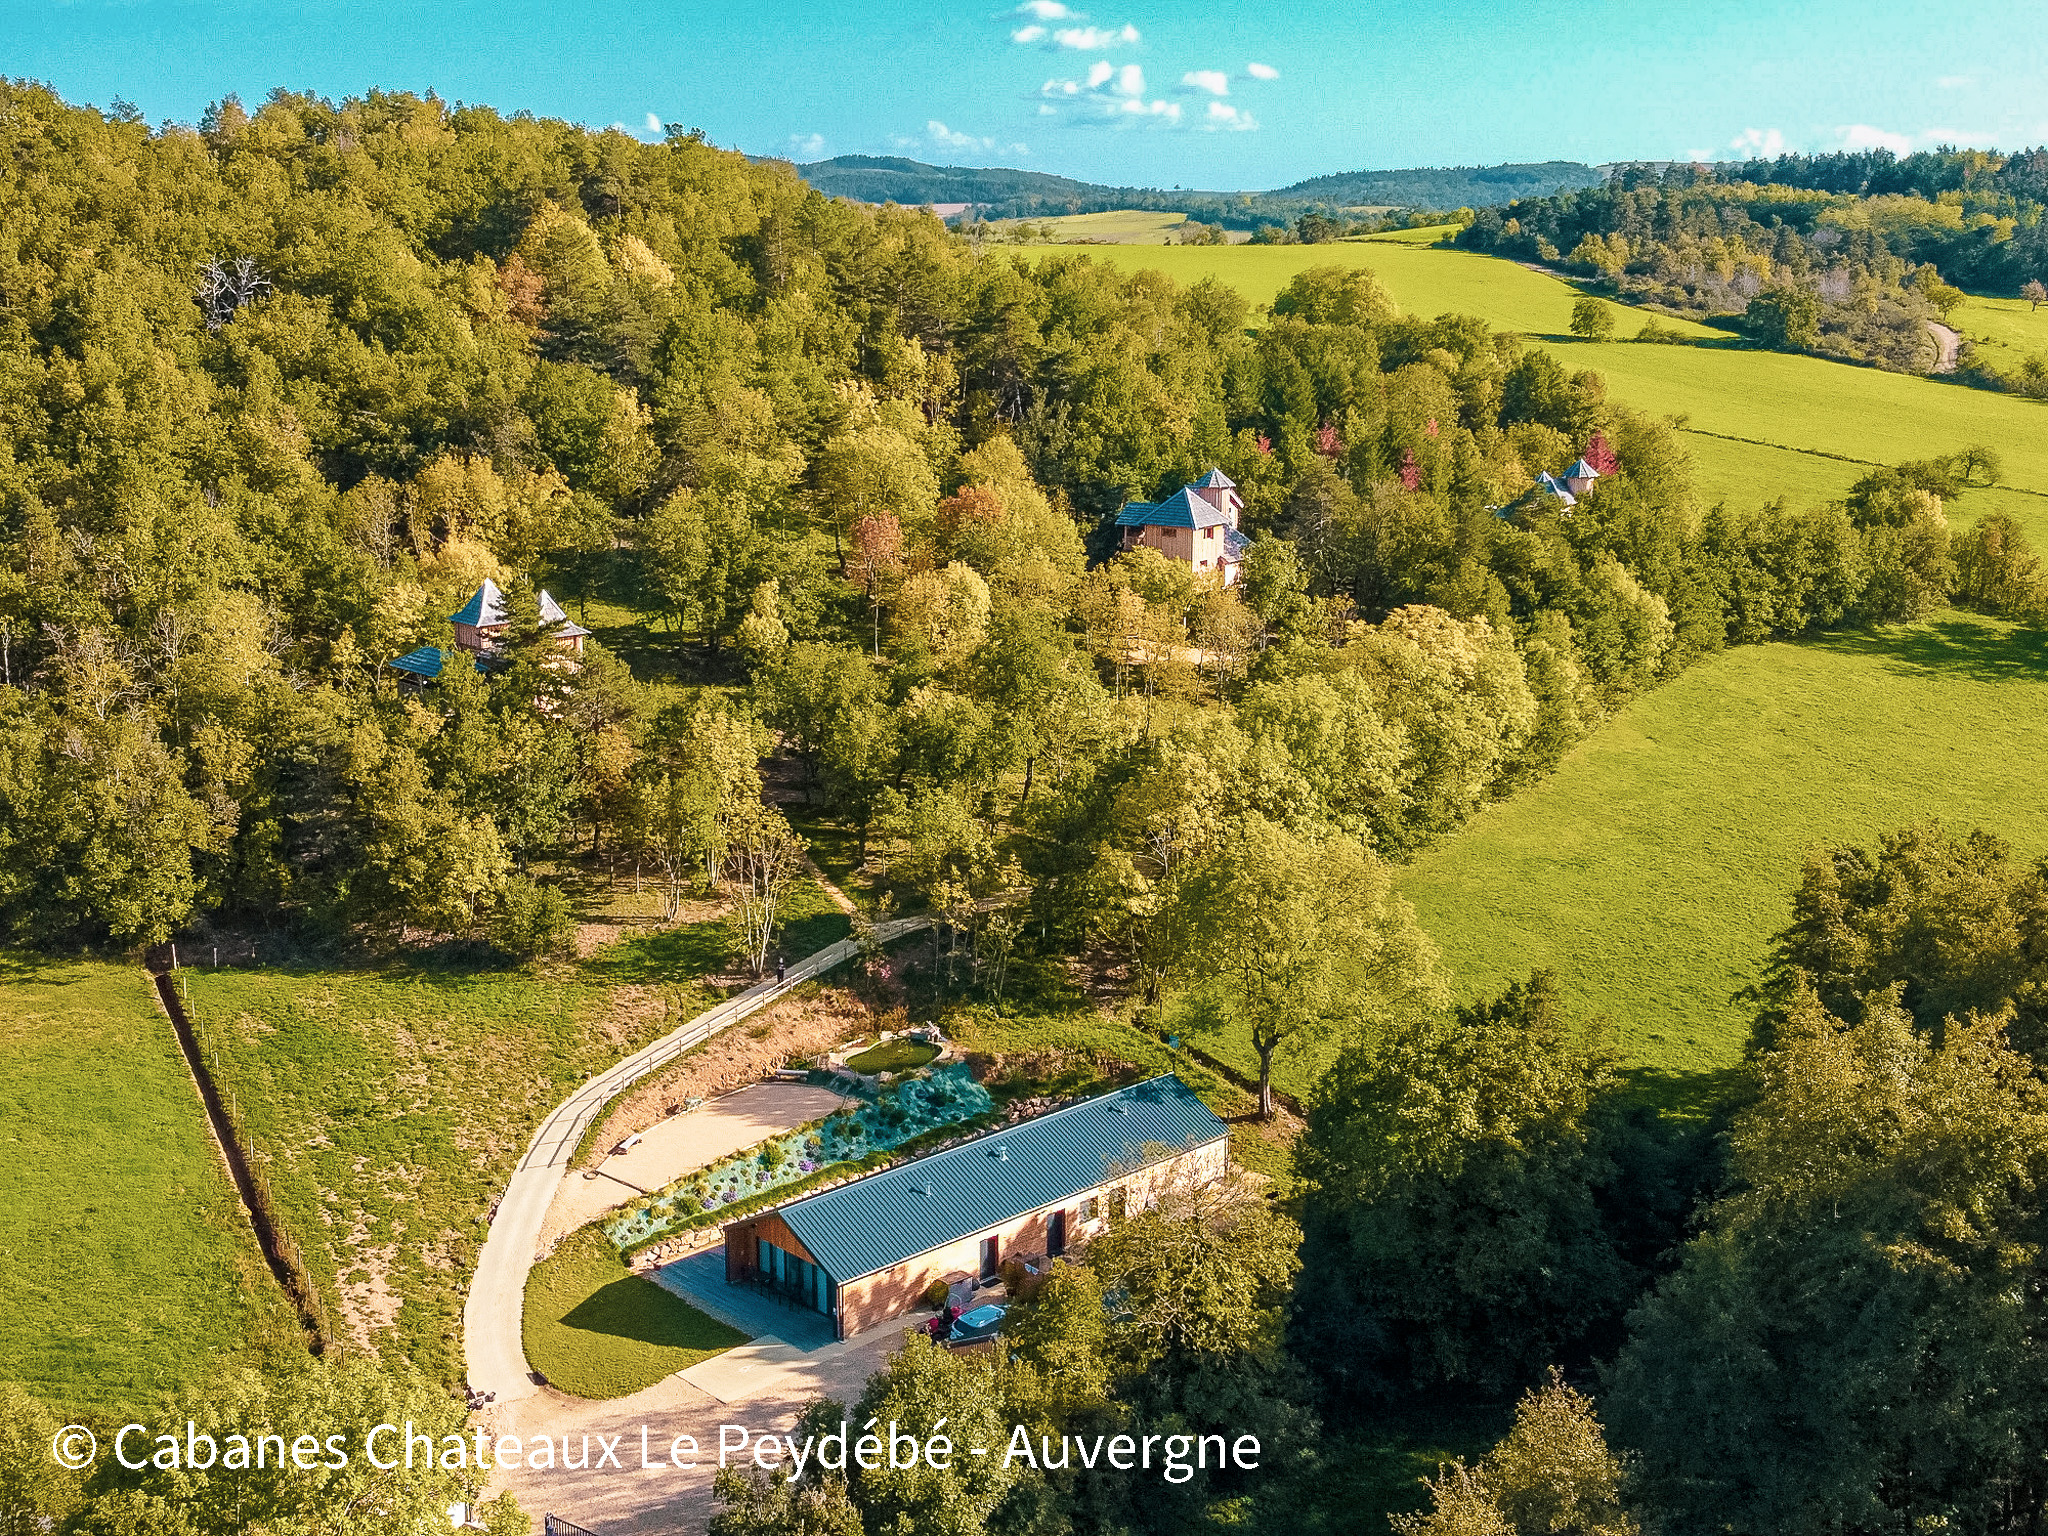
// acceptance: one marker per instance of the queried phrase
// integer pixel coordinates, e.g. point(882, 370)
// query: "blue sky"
point(1196, 93)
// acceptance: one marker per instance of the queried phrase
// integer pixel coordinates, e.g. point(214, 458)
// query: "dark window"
point(991, 1257)
point(1056, 1234)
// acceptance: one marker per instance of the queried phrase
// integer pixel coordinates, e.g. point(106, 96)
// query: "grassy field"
point(2005, 330)
point(1653, 869)
point(1123, 226)
point(597, 1330)
point(387, 1106)
point(127, 1268)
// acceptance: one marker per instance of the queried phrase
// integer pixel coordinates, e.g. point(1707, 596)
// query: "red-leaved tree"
point(1600, 456)
point(1411, 475)
point(874, 552)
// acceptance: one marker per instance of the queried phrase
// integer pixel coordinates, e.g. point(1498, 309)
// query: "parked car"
point(977, 1326)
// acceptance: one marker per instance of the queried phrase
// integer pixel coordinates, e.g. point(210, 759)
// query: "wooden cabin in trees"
point(480, 626)
point(1196, 525)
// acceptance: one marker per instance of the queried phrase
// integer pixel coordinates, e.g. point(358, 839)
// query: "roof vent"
point(1120, 1106)
point(1000, 1154)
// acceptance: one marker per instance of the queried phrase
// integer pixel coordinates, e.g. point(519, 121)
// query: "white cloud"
point(1262, 71)
point(1863, 136)
point(1099, 73)
point(1060, 88)
point(807, 146)
point(1222, 115)
point(1027, 34)
point(1094, 39)
point(1044, 10)
point(653, 123)
point(1047, 109)
point(948, 138)
point(1758, 143)
point(1130, 81)
point(1137, 106)
point(1955, 82)
point(1214, 81)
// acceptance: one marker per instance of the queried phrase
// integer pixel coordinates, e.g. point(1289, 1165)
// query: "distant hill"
point(1004, 193)
point(1458, 186)
point(887, 179)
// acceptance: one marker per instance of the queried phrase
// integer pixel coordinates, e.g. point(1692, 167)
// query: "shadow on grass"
point(640, 1310)
point(1955, 646)
point(668, 954)
point(1377, 1463)
point(1683, 1095)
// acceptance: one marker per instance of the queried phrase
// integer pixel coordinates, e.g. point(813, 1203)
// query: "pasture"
point(127, 1267)
point(1122, 226)
point(2004, 330)
point(1653, 869)
point(387, 1105)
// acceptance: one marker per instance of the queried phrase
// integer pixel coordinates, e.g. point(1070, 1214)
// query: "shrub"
point(533, 920)
point(936, 1293)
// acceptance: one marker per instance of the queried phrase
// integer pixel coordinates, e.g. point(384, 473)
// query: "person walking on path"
point(781, 969)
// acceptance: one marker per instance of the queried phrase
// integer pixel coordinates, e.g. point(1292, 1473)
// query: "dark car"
point(977, 1326)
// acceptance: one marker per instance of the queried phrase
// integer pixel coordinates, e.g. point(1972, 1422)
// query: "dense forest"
point(282, 390)
point(1011, 194)
point(1846, 255)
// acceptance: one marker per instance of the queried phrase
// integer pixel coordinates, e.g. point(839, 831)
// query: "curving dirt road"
point(1949, 340)
point(493, 1349)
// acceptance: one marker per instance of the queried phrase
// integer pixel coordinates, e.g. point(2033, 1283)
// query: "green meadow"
point(127, 1267)
point(1653, 869)
point(2004, 330)
point(1122, 226)
point(387, 1105)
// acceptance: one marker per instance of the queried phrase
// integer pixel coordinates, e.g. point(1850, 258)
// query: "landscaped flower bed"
point(906, 1110)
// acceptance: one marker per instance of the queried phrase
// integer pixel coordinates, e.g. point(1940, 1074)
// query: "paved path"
point(681, 1144)
point(493, 1348)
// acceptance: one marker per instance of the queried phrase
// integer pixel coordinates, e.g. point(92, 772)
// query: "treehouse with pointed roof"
point(480, 627)
point(1196, 525)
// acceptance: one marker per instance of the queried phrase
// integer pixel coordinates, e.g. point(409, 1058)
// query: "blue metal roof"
point(890, 1216)
point(1214, 478)
point(424, 662)
point(1235, 544)
point(1183, 509)
point(1581, 470)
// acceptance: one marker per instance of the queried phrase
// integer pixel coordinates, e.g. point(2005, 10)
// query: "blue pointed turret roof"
point(1582, 471)
point(486, 608)
point(1213, 479)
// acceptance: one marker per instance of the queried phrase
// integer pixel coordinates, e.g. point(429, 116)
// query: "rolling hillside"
point(1007, 193)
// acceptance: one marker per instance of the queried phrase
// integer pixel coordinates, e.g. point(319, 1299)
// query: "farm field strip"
point(129, 1266)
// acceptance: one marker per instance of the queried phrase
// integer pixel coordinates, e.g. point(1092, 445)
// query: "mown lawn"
point(127, 1268)
point(1653, 869)
point(597, 1330)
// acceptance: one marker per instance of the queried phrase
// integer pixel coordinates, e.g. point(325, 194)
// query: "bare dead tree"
point(225, 286)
